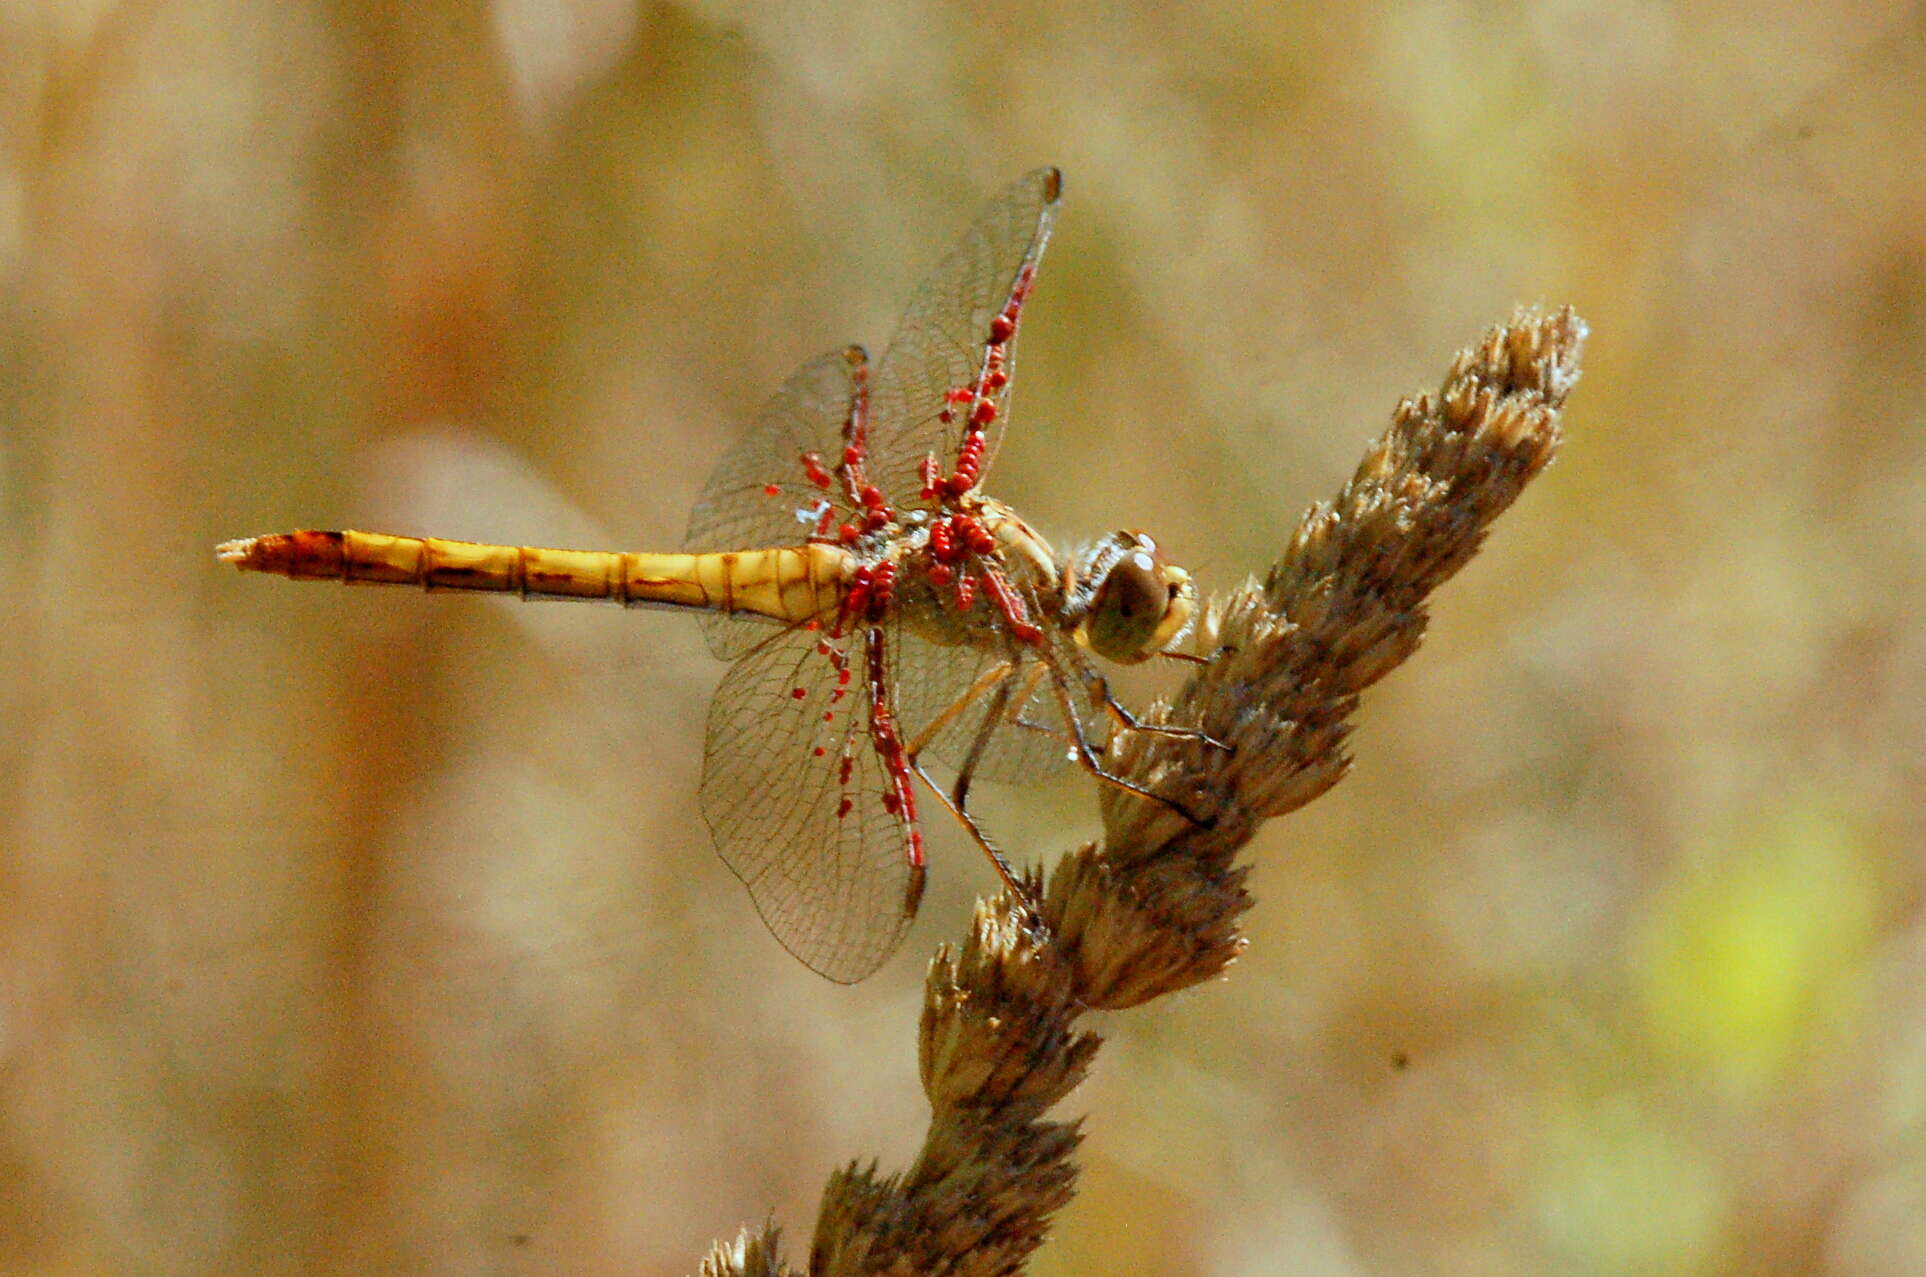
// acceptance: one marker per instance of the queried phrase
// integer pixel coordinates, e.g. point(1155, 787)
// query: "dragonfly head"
point(1129, 602)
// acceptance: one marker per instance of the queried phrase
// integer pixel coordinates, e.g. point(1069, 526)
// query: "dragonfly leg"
point(957, 800)
point(1037, 670)
point(982, 840)
point(1100, 689)
point(966, 770)
point(1086, 755)
point(985, 681)
point(1191, 658)
point(1019, 893)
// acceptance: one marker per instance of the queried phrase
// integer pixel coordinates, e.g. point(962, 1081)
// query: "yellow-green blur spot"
point(1757, 952)
point(1617, 1193)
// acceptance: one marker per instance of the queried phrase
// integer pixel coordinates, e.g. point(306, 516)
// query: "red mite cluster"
point(993, 377)
point(954, 539)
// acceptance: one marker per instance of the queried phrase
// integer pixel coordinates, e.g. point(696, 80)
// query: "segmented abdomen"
point(791, 583)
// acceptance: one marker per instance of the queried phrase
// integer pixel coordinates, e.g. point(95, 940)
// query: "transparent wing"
point(833, 882)
point(942, 338)
point(760, 494)
point(946, 691)
point(935, 678)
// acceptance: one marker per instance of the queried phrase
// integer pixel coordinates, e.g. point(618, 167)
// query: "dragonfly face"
point(878, 609)
point(1128, 602)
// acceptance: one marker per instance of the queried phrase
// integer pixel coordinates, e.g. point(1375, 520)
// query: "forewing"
point(941, 341)
point(739, 510)
point(833, 883)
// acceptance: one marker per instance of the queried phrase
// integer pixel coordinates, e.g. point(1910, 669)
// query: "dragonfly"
point(879, 610)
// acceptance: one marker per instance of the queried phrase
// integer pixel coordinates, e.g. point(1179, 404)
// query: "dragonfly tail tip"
point(240, 553)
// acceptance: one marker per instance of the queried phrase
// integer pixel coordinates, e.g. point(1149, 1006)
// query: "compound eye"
point(1132, 590)
point(1129, 608)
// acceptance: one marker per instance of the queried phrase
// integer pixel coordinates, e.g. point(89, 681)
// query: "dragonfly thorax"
point(974, 573)
point(1125, 601)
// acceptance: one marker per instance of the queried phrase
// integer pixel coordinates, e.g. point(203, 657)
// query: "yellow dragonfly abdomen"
point(792, 583)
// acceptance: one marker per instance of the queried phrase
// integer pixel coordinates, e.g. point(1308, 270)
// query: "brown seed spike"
point(1154, 908)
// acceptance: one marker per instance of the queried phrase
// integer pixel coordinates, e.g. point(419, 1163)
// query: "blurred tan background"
point(355, 931)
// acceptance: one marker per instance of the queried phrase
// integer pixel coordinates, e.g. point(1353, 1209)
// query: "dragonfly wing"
point(795, 796)
point(941, 341)
point(1031, 740)
point(761, 495)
